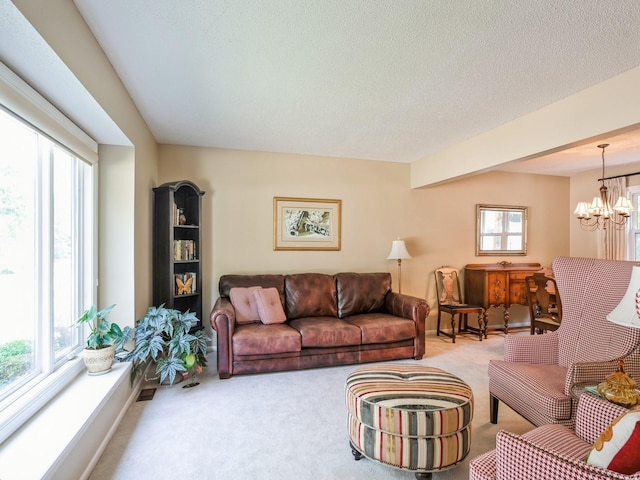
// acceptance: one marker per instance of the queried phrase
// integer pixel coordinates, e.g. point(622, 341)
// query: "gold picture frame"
point(306, 223)
point(501, 230)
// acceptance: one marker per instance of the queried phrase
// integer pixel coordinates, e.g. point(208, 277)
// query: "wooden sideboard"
point(498, 285)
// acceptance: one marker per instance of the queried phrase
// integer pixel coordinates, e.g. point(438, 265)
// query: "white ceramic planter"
point(99, 361)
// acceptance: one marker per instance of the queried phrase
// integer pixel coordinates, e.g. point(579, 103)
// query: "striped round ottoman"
point(410, 417)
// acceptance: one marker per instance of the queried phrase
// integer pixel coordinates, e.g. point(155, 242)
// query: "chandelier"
point(600, 214)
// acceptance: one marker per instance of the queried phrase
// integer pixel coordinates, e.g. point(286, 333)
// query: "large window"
point(46, 225)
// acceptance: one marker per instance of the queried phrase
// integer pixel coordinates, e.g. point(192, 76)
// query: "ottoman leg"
point(356, 454)
point(423, 476)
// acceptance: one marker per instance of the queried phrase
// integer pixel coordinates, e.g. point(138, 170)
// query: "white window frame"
point(633, 228)
point(503, 234)
point(26, 105)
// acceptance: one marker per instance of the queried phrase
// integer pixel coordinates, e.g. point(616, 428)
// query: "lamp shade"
point(398, 251)
point(626, 313)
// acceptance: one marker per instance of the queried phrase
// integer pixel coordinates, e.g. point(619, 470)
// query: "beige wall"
point(116, 167)
point(438, 224)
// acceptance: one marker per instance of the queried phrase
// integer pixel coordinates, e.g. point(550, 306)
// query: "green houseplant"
point(163, 336)
point(103, 340)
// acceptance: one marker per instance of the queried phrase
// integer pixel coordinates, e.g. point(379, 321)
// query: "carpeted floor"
point(280, 426)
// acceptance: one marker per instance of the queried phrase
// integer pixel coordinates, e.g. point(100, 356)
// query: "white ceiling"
point(392, 80)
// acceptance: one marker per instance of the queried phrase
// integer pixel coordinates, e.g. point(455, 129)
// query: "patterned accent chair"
point(551, 451)
point(537, 372)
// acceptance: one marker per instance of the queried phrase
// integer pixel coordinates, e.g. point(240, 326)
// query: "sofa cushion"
point(310, 295)
point(326, 332)
point(383, 328)
point(244, 303)
point(268, 305)
point(361, 292)
point(259, 339)
point(618, 446)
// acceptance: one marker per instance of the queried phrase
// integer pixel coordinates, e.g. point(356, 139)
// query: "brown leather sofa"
point(340, 319)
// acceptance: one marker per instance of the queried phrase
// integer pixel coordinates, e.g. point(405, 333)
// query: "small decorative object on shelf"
point(186, 283)
point(182, 220)
point(619, 388)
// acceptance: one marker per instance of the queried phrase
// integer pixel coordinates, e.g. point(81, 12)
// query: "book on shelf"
point(184, 250)
point(185, 283)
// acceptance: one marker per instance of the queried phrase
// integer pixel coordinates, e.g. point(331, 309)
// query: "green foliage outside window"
point(15, 360)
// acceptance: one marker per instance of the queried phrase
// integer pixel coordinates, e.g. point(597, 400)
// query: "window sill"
point(66, 437)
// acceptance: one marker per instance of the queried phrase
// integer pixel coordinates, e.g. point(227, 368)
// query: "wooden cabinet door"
point(517, 288)
point(497, 283)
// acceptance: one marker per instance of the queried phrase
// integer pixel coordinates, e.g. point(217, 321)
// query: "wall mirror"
point(501, 230)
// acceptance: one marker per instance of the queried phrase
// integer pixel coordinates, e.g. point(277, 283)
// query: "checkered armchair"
point(537, 372)
point(551, 451)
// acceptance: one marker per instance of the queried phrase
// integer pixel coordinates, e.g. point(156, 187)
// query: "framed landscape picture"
point(306, 224)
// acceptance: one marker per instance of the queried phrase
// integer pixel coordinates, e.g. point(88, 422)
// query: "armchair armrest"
point(518, 457)
point(413, 308)
point(594, 415)
point(541, 349)
point(589, 372)
point(223, 321)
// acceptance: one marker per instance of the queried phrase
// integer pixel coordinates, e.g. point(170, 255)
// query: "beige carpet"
point(275, 426)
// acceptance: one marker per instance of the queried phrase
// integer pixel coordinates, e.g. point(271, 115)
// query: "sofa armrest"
point(406, 306)
point(518, 457)
point(413, 308)
point(540, 349)
point(594, 415)
point(223, 321)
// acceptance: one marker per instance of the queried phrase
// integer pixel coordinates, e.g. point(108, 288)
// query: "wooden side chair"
point(545, 307)
point(450, 301)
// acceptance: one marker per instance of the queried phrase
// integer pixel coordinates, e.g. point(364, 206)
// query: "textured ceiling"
point(391, 80)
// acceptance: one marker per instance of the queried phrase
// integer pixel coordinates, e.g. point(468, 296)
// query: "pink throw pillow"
point(244, 303)
point(269, 306)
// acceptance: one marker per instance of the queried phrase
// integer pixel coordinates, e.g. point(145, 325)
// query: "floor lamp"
point(398, 252)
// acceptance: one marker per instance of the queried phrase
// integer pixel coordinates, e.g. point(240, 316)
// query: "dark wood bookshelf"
point(168, 199)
